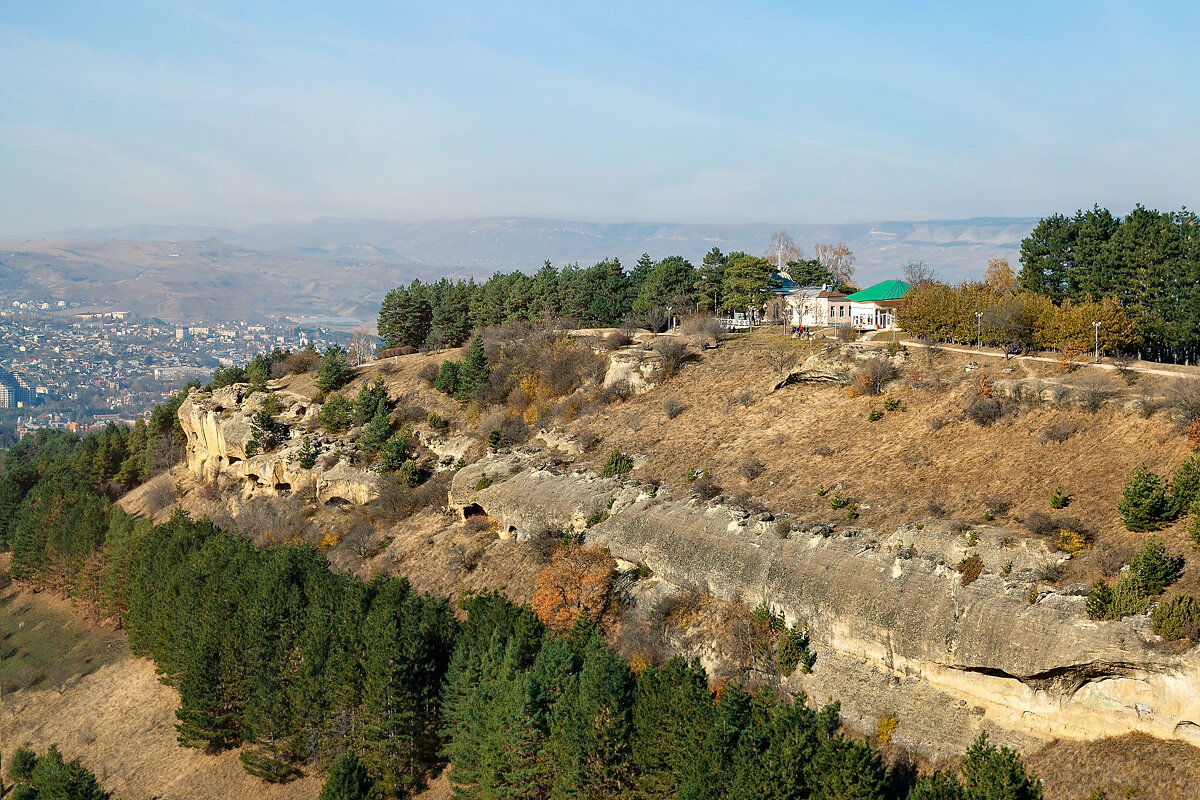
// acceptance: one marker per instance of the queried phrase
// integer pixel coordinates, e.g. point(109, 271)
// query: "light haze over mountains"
point(343, 266)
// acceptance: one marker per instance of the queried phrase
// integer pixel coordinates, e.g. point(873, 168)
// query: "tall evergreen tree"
point(709, 285)
point(347, 780)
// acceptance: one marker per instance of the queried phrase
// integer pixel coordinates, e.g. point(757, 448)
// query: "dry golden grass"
point(901, 467)
point(120, 721)
point(1153, 768)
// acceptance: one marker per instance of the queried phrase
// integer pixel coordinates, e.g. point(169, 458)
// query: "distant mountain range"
point(342, 266)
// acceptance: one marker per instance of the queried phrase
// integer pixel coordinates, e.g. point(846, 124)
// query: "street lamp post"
point(1096, 328)
point(979, 329)
point(670, 326)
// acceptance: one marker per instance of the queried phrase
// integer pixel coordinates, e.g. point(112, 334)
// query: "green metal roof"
point(888, 290)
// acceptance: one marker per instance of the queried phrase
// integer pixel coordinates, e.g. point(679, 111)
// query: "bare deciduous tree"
point(918, 272)
point(362, 347)
point(781, 359)
point(782, 250)
point(838, 259)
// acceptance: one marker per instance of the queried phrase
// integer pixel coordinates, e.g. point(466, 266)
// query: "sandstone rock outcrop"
point(1002, 652)
point(218, 429)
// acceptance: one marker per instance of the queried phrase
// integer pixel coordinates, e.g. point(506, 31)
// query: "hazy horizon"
point(224, 115)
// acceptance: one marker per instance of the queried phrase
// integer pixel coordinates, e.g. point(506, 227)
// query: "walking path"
point(1193, 375)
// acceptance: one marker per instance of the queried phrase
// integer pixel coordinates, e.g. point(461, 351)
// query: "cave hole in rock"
point(234, 460)
point(472, 510)
point(338, 502)
point(283, 487)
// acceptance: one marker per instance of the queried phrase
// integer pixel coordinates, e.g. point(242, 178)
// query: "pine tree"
point(640, 272)
point(710, 280)
point(546, 293)
point(378, 429)
point(1146, 504)
point(473, 371)
point(347, 780)
point(334, 371)
point(938, 786)
point(672, 712)
point(991, 773)
point(590, 725)
point(207, 719)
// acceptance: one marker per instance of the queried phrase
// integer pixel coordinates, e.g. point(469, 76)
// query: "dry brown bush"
point(296, 362)
point(752, 468)
point(996, 505)
point(673, 407)
point(428, 373)
point(1183, 399)
point(970, 568)
point(781, 360)
point(843, 333)
point(705, 488)
point(674, 352)
point(1124, 365)
point(701, 325)
point(1193, 435)
point(983, 410)
point(616, 340)
point(1058, 432)
point(586, 438)
point(873, 374)
point(575, 584)
point(1094, 390)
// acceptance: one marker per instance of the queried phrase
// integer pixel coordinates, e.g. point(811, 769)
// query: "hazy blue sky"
point(230, 113)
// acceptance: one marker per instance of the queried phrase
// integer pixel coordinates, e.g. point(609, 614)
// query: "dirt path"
point(1191, 373)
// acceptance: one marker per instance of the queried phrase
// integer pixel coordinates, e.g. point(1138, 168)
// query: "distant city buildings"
point(14, 391)
point(78, 363)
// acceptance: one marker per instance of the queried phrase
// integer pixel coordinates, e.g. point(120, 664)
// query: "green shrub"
point(618, 465)
point(794, 651)
point(272, 406)
point(1146, 504)
point(874, 415)
point(1185, 482)
point(409, 473)
point(1193, 526)
point(1177, 618)
point(366, 405)
point(1126, 598)
point(307, 457)
point(393, 453)
point(838, 501)
point(1059, 499)
point(494, 438)
point(447, 378)
point(435, 422)
point(483, 482)
point(763, 613)
point(1155, 568)
point(891, 403)
point(334, 372)
point(377, 430)
point(336, 414)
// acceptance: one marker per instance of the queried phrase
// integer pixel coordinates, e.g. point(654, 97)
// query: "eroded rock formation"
point(218, 429)
point(888, 611)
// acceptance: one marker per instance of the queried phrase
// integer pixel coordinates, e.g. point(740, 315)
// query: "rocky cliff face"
point(890, 618)
point(218, 428)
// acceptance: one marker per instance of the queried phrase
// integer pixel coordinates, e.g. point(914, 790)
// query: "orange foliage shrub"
point(575, 583)
point(1193, 435)
point(985, 385)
